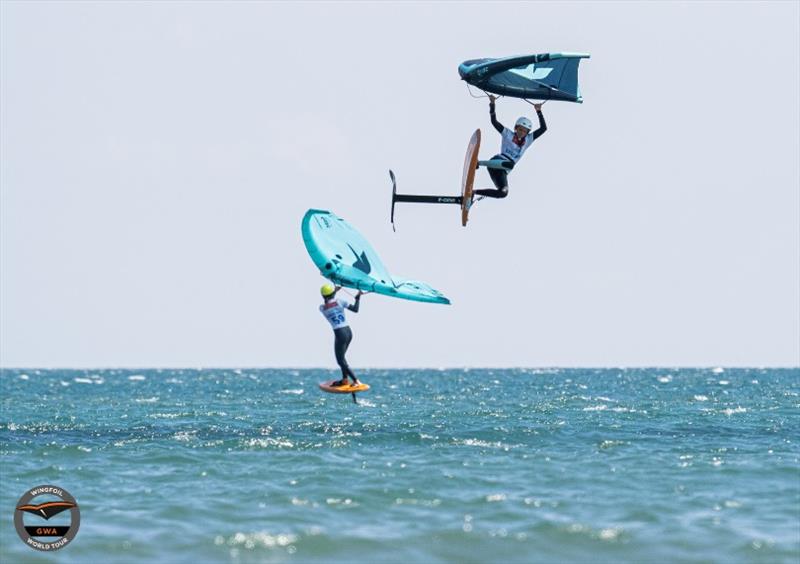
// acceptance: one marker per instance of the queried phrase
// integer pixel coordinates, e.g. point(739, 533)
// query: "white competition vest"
point(511, 149)
point(334, 313)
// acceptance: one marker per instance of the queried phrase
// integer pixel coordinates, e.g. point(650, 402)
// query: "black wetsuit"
point(500, 176)
point(342, 338)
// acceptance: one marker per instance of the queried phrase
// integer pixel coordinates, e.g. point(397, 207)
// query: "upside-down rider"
point(333, 310)
point(513, 146)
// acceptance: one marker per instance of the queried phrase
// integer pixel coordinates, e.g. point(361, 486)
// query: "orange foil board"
point(468, 178)
point(346, 389)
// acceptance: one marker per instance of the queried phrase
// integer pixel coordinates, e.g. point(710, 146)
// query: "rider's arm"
point(542, 125)
point(497, 125)
point(354, 307)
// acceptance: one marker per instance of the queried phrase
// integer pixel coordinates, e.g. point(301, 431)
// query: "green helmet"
point(327, 290)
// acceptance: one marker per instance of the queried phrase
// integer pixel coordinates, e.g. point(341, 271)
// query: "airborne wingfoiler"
point(542, 77)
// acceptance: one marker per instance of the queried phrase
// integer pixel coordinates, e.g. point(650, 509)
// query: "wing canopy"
point(343, 256)
point(547, 76)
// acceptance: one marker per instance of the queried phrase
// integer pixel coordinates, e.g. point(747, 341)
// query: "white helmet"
point(524, 122)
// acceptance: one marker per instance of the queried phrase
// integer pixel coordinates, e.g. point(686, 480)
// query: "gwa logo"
point(63, 533)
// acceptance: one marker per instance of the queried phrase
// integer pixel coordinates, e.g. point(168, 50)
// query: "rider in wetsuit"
point(333, 310)
point(514, 144)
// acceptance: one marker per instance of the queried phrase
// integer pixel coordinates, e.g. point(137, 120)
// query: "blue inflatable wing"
point(343, 256)
point(548, 76)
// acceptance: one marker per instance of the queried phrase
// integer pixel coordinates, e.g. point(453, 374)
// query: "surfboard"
point(468, 178)
point(349, 388)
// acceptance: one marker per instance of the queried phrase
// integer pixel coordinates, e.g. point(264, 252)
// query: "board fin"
point(394, 196)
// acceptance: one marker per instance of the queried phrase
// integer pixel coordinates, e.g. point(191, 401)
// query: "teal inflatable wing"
point(347, 259)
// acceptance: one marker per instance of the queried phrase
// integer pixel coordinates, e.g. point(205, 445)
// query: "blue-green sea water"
point(624, 465)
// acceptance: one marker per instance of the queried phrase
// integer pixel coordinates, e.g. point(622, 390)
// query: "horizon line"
point(440, 368)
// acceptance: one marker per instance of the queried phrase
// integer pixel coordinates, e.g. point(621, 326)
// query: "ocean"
point(467, 465)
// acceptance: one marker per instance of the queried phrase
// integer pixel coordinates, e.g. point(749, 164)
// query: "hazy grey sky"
point(157, 159)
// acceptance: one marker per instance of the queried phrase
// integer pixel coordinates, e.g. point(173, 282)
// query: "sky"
point(156, 160)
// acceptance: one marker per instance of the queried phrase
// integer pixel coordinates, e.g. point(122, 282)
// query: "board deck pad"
point(468, 178)
point(349, 388)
